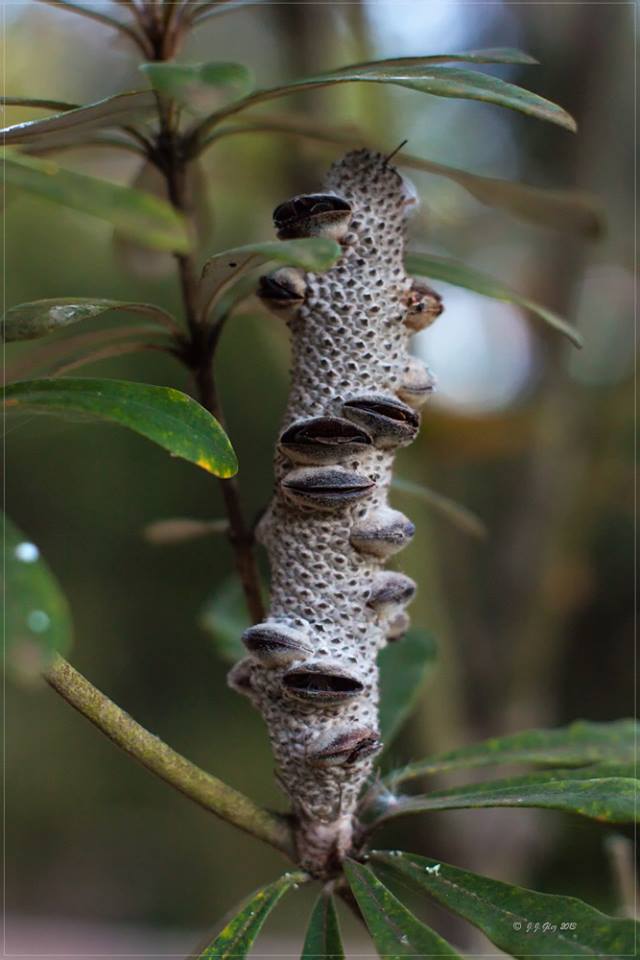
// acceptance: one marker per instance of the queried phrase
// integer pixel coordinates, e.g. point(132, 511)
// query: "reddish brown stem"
point(199, 354)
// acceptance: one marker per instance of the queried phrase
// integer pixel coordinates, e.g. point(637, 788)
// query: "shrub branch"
point(204, 789)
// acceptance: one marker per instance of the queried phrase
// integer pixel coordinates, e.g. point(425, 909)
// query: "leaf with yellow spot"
point(237, 938)
point(168, 417)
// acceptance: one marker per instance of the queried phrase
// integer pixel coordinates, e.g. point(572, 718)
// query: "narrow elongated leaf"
point(26, 321)
point(521, 922)
point(403, 670)
point(609, 794)
point(315, 253)
point(441, 268)
point(460, 516)
point(37, 621)
point(111, 112)
point(225, 619)
point(193, 84)
point(50, 356)
point(579, 744)
point(136, 258)
point(567, 210)
point(323, 938)
point(489, 55)
point(235, 941)
point(436, 80)
point(395, 931)
point(149, 220)
point(38, 103)
point(168, 417)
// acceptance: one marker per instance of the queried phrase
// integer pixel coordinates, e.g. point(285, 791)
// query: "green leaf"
point(193, 83)
point(111, 112)
point(403, 669)
point(26, 321)
point(37, 620)
point(436, 80)
point(601, 793)
point(580, 744)
point(460, 516)
point(395, 931)
point(225, 619)
point(149, 220)
point(38, 103)
point(519, 921)
point(168, 417)
point(139, 260)
point(238, 936)
point(567, 210)
point(315, 253)
point(441, 268)
point(323, 938)
point(489, 55)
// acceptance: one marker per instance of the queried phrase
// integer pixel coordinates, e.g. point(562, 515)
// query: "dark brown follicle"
point(325, 488)
point(322, 683)
point(390, 422)
point(424, 306)
point(276, 644)
point(323, 440)
point(382, 533)
point(282, 291)
point(391, 589)
point(312, 215)
point(345, 747)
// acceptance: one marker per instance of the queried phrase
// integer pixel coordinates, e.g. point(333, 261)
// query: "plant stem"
point(200, 356)
point(201, 787)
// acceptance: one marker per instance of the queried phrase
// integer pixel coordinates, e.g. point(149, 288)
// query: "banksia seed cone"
point(311, 668)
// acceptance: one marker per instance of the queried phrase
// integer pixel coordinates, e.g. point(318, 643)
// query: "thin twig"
point(201, 787)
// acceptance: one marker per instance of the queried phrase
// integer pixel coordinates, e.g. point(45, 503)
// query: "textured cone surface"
point(349, 340)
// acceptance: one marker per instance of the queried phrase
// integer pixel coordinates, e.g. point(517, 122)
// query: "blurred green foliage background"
point(535, 623)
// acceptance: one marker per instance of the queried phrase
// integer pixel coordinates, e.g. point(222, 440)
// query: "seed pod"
point(344, 747)
point(398, 626)
point(239, 677)
point(382, 533)
point(323, 440)
point(313, 215)
point(418, 383)
point(325, 488)
point(424, 306)
point(390, 590)
point(390, 422)
point(321, 682)
point(283, 291)
point(278, 641)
